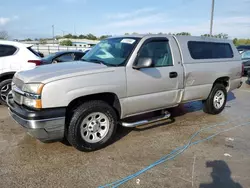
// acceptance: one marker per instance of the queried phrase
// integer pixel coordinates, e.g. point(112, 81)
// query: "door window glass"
point(66, 57)
point(209, 50)
point(158, 51)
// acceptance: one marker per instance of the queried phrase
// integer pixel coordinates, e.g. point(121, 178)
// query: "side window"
point(66, 57)
point(158, 51)
point(6, 50)
point(78, 56)
point(209, 50)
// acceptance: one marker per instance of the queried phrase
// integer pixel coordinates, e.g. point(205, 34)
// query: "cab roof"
point(178, 37)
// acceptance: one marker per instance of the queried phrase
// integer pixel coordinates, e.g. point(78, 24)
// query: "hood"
point(52, 72)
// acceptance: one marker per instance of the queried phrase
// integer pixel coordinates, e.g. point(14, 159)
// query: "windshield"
point(112, 52)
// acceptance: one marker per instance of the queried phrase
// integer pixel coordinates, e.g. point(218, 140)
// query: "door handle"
point(173, 74)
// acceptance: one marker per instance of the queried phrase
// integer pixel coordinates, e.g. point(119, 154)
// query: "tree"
point(126, 34)
point(247, 41)
point(235, 40)
point(183, 33)
point(68, 36)
point(66, 43)
point(220, 35)
point(104, 37)
point(58, 37)
point(91, 36)
point(206, 35)
point(4, 35)
point(74, 36)
point(81, 36)
point(28, 39)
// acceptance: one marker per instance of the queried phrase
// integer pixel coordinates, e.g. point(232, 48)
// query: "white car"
point(14, 57)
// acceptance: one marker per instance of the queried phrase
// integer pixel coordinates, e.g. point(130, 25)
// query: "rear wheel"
point(216, 100)
point(92, 126)
point(5, 88)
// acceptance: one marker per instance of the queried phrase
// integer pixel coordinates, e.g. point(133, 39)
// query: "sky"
point(34, 18)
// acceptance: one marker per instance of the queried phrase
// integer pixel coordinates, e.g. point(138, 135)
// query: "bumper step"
point(165, 115)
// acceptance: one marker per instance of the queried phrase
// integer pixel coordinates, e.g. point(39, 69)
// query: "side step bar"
point(166, 115)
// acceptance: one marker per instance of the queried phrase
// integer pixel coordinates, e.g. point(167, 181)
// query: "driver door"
point(154, 87)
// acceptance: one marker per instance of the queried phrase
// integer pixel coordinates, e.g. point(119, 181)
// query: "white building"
point(81, 42)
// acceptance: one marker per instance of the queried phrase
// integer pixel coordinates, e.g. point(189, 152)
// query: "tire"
point(76, 133)
point(212, 107)
point(5, 88)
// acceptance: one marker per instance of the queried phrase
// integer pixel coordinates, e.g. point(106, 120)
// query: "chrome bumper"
point(44, 129)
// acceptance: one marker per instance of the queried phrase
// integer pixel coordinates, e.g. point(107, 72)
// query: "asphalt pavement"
point(221, 161)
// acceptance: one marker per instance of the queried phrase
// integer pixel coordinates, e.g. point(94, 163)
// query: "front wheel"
point(92, 126)
point(216, 100)
point(5, 88)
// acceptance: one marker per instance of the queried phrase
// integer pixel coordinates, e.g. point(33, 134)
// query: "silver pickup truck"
point(121, 77)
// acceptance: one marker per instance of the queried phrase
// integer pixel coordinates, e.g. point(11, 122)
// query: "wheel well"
point(110, 98)
point(222, 80)
point(6, 76)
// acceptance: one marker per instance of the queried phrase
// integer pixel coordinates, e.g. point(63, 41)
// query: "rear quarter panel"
point(200, 75)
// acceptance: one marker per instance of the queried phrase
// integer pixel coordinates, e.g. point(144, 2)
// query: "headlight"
point(33, 103)
point(33, 88)
point(32, 95)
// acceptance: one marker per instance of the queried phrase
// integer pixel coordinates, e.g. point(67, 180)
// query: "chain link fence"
point(46, 50)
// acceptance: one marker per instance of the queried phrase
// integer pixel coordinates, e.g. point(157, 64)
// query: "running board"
point(166, 115)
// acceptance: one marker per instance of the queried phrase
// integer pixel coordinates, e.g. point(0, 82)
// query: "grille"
point(17, 97)
point(19, 83)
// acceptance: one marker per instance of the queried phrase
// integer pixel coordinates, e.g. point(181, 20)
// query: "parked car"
point(14, 56)
point(63, 56)
point(246, 61)
point(243, 48)
point(119, 78)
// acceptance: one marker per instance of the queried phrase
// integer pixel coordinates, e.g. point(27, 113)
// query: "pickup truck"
point(85, 101)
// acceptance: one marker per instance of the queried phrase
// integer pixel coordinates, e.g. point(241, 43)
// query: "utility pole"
point(212, 18)
point(75, 29)
point(53, 34)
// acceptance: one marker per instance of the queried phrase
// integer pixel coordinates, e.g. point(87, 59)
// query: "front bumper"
point(45, 125)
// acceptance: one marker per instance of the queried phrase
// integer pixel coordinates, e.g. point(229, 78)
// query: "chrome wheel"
point(219, 99)
point(4, 91)
point(94, 127)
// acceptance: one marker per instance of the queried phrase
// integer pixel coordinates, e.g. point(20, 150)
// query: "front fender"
point(61, 92)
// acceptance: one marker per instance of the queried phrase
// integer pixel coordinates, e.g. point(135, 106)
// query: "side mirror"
point(143, 63)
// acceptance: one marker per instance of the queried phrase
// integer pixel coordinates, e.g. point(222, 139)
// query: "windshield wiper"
point(97, 61)
point(94, 61)
point(100, 62)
